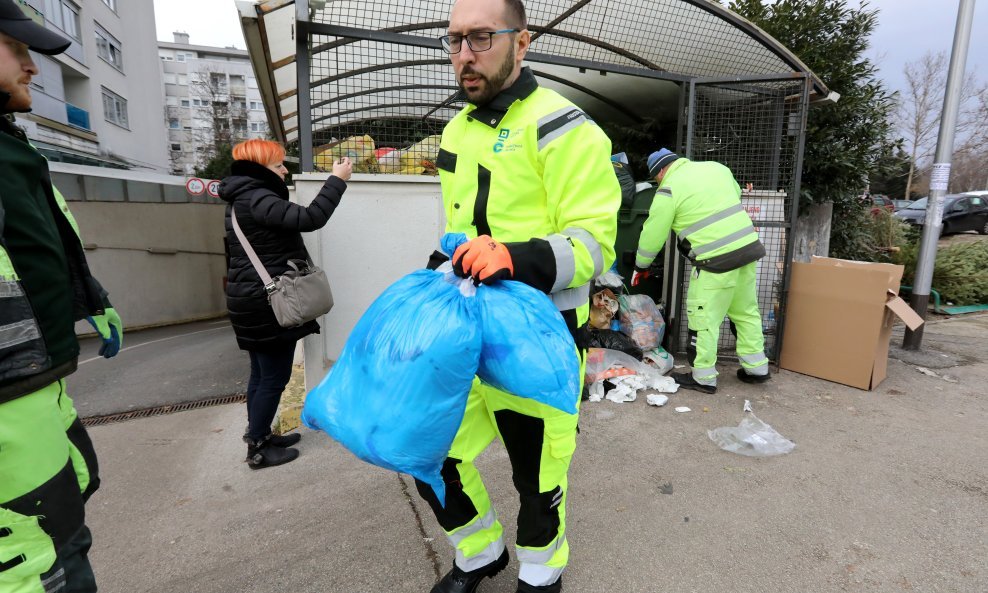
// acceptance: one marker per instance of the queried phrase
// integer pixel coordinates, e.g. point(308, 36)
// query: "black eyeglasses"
point(478, 40)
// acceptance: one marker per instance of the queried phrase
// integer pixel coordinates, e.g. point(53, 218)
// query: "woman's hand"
point(343, 168)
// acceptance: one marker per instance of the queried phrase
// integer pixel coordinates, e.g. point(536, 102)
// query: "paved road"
point(160, 366)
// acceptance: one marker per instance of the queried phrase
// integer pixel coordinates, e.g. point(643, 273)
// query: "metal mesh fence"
point(383, 100)
point(755, 129)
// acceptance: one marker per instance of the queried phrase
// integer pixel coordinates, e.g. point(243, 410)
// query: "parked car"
point(961, 213)
point(875, 202)
point(901, 204)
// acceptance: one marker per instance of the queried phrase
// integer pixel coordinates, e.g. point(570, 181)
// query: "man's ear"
point(523, 42)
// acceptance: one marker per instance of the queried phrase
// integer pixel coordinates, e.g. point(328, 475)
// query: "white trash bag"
point(751, 437)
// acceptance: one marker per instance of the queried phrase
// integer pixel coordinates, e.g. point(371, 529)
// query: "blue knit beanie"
point(659, 159)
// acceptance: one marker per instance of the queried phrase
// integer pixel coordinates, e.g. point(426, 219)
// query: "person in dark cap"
point(48, 467)
point(701, 203)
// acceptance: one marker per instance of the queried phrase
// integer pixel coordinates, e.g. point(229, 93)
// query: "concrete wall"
point(158, 251)
point(385, 227)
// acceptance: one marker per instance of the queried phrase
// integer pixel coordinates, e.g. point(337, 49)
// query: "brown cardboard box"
point(839, 318)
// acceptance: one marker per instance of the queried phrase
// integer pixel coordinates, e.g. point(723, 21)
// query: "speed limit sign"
point(213, 188)
point(195, 186)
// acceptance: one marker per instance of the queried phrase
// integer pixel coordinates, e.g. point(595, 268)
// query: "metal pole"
point(940, 177)
point(303, 61)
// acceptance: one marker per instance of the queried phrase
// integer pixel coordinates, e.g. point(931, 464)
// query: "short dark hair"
point(514, 10)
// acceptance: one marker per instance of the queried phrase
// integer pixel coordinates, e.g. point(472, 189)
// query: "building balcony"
point(77, 116)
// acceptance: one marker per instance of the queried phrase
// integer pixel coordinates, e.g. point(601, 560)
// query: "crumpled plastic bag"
point(612, 340)
point(603, 307)
point(397, 394)
point(420, 158)
point(360, 150)
point(603, 364)
point(659, 358)
point(527, 350)
point(642, 320)
point(752, 437)
point(610, 279)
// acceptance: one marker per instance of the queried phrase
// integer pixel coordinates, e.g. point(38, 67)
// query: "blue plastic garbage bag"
point(396, 396)
point(527, 349)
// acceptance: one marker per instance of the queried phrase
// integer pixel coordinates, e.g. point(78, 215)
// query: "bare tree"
point(919, 113)
point(219, 114)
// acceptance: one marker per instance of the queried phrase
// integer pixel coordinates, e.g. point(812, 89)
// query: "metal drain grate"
point(169, 409)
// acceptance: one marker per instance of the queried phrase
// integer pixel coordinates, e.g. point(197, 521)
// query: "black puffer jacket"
point(273, 225)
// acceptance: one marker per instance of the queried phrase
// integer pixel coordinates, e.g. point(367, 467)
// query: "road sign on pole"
point(195, 186)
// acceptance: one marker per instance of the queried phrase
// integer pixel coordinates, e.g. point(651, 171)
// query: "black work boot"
point(746, 378)
point(285, 440)
point(524, 587)
point(686, 381)
point(457, 581)
point(262, 453)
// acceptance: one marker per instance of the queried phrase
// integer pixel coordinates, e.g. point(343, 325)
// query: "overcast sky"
point(907, 28)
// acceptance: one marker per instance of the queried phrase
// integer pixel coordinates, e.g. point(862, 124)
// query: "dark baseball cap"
point(15, 23)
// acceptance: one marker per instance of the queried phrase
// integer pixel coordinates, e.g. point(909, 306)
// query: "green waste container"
point(629, 229)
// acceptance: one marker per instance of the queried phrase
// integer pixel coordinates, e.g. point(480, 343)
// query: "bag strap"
point(269, 285)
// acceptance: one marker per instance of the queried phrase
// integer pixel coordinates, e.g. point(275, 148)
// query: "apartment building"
point(100, 102)
point(211, 98)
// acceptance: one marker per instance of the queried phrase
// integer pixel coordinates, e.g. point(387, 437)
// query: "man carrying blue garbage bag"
point(701, 203)
point(526, 175)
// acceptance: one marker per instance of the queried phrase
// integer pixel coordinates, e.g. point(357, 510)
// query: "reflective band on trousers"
point(707, 376)
point(10, 289)
point(571, 298)
point(481, 523)
point(714, 245)
point(593, 247)
point(562, 250)
point(754, 359)
point(486, 556)
point(18, 333)
point(713, 218)
point(530, 556)
point(539, 575)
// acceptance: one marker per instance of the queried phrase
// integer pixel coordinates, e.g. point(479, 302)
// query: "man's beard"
point(492, 86)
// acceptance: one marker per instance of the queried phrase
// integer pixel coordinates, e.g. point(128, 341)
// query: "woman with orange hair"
point(258, 197)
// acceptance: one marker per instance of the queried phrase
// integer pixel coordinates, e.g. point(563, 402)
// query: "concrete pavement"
point(886, 491)
point(159, 366)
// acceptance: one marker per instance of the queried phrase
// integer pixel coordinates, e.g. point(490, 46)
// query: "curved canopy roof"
point(373, 60)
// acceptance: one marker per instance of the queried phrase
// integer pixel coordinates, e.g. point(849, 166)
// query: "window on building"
point(170, 78)
point(112, 4)
point(114, 108)
point(108, 48)
point(183, 79)
point(185, 102)
point(168, 58)
point(256, 105)
point(173, 123)
point(251, 82)
point(64, 14)
point(179, 57)
point(197, 102)
point(177, 147)
point(257, 127)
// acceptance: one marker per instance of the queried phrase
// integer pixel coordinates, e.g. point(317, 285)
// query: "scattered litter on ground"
point(927, 372)
point(683, 409)
point(752, 437)
point(656, 399)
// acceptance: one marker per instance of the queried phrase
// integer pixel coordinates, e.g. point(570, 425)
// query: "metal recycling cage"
point(368, 78)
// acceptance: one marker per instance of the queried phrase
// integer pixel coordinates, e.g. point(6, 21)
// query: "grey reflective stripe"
point(665, 191)
point(55, 582)
point(530, 556)
point(486, 556)
point(555, 115)
point(713, 218)
point(571, 298)
point(753, 359)
point(539, 575)
point(10, 289)
point(705, 376)
point(18, 333)
point(649, 255)
point(480, 524)
point(576, 121)
point(588, 240)
point(715, 245)
point(562, 250)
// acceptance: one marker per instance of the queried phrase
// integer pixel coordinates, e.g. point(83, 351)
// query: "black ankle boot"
point(457, 581)
point(686, 381)
point(745, 377)
point(285, 440)
point(556, 587)
point(262, 453)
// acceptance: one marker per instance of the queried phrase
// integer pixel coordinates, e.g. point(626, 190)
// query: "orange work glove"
point(484, 259)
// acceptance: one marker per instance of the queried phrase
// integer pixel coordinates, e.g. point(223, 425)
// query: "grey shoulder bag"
point(299, 295)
